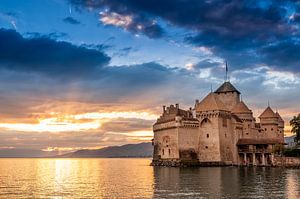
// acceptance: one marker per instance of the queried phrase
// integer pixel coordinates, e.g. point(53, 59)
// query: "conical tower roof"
point(268, 113)
point(241, 107)
point(227, 87)
point(210, 103)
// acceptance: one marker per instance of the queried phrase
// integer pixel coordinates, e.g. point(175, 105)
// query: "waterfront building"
point(219, 130)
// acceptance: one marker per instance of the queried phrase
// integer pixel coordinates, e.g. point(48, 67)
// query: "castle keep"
point(219, 130)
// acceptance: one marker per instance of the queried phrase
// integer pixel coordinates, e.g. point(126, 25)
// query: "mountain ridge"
point(143, 149)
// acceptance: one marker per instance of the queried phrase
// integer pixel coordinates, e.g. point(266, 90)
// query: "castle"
point(219, 130)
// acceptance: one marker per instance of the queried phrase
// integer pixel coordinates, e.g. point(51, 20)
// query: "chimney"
point(197, 101)
point(164, 108)
point(177, 106)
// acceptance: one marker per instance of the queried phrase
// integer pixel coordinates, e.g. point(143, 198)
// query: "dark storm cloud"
point(232, 18)
point(47, 56)
point(285, 54)
point(35, 66)
point(232, 29)
point(71, 20)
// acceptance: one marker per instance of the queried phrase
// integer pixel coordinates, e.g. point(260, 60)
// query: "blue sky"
point(61, 60)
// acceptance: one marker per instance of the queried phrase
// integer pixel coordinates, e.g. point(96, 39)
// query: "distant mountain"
point(144, 149)
point(25, 153)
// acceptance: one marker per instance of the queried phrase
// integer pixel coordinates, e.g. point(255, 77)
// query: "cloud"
point(232, 30)
point(127, 125)
point(284, 54)
point(132, 23)
point(71, 20)
point(47, 56)
point(31, 70)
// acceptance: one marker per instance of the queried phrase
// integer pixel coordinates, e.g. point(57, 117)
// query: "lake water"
point(134, 178)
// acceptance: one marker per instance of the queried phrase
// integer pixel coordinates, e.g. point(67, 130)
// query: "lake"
point(134, 178)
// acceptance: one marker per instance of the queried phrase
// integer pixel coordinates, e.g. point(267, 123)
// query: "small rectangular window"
point(163, 152)
point(224, 122)
point(169, 151)
point(207, 135)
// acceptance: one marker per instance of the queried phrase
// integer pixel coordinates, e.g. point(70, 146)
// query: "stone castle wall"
point(209, 143)
point(220, 130)
point(286, 161)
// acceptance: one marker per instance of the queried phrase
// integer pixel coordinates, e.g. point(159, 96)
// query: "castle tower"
point(269, 122)
point(280, 126)
point(242, 111)
point(215, 135)
point(228, 95)
point(246, 115)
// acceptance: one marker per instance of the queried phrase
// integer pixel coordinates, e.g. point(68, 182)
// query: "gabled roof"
point(226, 87)
point(210, 103)
point(268, 113)
point(279, 117)
point(241, 107)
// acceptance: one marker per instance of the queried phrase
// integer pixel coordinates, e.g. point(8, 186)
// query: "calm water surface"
point(134, 178)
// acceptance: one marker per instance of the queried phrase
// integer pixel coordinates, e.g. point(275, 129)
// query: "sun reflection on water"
point(134, 178)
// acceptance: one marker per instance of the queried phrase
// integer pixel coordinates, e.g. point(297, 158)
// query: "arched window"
point(169, 151)
point(163, 152)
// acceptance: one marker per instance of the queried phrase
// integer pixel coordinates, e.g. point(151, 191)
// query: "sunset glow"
point(68, 123)
point(90, 74)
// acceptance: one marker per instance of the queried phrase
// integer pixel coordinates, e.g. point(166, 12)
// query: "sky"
point(93, 73)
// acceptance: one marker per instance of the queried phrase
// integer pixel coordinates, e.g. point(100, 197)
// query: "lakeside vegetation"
point(295, 151)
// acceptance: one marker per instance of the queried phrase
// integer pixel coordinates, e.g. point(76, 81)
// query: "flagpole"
point(226, 68)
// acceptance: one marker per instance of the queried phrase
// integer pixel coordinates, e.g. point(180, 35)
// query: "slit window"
point(224, 122)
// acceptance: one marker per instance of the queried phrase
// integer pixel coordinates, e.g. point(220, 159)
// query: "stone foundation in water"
point(286, 161)
point(187, 163)
point(278, 161)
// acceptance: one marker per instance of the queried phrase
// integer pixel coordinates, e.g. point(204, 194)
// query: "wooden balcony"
point(255, 150)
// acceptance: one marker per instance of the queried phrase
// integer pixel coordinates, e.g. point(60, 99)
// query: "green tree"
point(295, 123)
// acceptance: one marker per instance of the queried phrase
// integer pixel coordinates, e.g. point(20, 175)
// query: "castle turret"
point(245, 114)
point(215, 130)
point(280, 126)
point(269, 122)
point(280, 120)
point(242, 111)
point(228, 94)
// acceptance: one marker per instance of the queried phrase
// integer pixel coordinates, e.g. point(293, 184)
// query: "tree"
point(295, 123)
